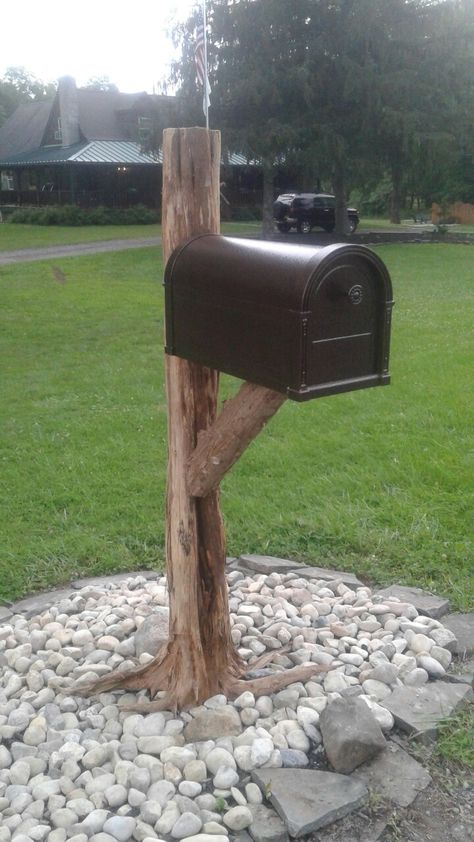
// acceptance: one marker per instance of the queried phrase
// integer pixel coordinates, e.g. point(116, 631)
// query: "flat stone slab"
point(425, 602)
point(461, 625)
point(307, 799)
point(267, 564)
point(394, 775)
point(418, 710)
point(328, 575)
point(5, 613)
point(113, 579)
point(37, 603)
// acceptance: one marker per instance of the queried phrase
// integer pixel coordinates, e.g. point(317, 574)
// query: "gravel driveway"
point(76, 250)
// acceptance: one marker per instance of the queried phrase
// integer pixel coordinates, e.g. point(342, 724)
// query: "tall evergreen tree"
point(348, 87)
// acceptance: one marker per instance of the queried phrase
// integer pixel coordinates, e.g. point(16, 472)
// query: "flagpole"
point(206, 92)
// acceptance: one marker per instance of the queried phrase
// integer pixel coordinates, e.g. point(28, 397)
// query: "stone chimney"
point(68, 111)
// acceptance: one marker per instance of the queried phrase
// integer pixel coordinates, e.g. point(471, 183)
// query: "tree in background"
point(18, 85)
point(350, 88)
point(101, 83)
point(255, 51)
point(427, 94)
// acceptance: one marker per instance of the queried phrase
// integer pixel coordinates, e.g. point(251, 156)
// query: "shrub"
point(73, 215)
point(246, 213)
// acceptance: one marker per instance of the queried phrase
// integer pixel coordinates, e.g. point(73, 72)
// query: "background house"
point(88, 147)
point(83, 147)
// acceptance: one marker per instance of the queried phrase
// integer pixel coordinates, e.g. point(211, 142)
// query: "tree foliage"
point(18, 85)
point(350, 89)
point(101, 83)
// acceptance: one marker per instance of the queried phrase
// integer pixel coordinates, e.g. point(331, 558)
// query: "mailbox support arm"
point(220, 445)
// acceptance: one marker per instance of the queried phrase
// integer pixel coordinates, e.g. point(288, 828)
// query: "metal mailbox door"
point(343, 326)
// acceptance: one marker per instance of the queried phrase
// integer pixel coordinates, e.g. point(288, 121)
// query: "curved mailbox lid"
point(276, 274)
point(258, 310)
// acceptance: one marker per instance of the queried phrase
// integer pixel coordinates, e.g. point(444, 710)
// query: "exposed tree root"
point(173, 672)
point(272, 683)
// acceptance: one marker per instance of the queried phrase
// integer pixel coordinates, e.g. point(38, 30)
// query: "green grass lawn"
point(15, 236)
point(377, 481)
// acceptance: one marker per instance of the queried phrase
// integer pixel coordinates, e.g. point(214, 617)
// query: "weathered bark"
point(219, 447)
point(200, 656)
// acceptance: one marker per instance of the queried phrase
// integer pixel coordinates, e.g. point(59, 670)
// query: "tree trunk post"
point(200, 649)
point(199, 659)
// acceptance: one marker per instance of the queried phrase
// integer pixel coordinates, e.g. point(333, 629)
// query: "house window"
point(7, 180)
point(58, 134)
point(145, 128)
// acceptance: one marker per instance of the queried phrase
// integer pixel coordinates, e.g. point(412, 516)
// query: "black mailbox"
point(301, 320)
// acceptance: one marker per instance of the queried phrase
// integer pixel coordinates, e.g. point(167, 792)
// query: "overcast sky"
point(126, 41)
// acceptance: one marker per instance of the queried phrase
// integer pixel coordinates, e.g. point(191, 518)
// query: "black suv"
point(304, 211)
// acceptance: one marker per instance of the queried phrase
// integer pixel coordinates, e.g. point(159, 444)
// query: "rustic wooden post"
point(199, 659)
point(204, 656)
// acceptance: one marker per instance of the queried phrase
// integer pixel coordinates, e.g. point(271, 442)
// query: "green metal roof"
point(44, 155)
point(113, 152)
point(90, 152)
point(98, 152)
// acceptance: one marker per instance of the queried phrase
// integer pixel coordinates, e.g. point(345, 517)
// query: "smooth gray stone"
point(293, 759)
point(418, 710)
point(425, 602)
point(153, 632)
point(351, 734)
point(394, 775)
point(308, 799)
point(5, 613)
point(32, 605)
point(212, 724)
point(461, 625)
point(267, 825)
point(267, 564)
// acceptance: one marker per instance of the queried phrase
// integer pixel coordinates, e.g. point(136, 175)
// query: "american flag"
point(201, 68)
point(199, 55)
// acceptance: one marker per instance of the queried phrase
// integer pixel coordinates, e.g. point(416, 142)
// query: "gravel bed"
point(83, 769)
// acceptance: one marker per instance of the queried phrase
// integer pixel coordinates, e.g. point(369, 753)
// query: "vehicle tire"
point(352, 225)
point(283, 227)
point(304, 227)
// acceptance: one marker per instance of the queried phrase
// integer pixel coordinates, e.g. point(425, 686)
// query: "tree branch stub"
point(218, 448)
